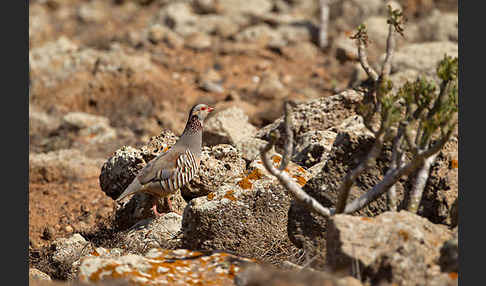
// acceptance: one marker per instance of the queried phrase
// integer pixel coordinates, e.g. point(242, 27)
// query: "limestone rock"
point(397, 247)
point(159, 266)
point(219, 164)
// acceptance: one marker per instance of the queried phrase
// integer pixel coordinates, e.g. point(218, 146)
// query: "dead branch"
point(309, 202)
point(393, 176)
point(420, 182)
point(289, 138)
point(323, 41)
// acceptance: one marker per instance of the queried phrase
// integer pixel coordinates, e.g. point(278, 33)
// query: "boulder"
point(219, 164)
point(149, 233)
point(317, 114)
point(160, 266)
point(228, 126)
point(246, 217)
point(69, 250)
point(36, 274)
point(394, 247)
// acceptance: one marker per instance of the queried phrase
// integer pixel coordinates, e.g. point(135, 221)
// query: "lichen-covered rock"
point(250, 148)
point(245, 217)
point(317, 114)
point(161, 232)
point(159, 266)
point(69, 250)
point(394, 247)
point(313, 147)
point(36, 274)
point(219, 164)
point(228, 126)
point(62, 165)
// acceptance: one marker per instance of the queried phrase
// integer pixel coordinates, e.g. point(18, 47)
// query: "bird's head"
point(200, 111)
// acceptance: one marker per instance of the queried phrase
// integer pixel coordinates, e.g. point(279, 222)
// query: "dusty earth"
point(137, 109)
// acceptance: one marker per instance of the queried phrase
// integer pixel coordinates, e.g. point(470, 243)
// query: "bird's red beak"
point(210, 109)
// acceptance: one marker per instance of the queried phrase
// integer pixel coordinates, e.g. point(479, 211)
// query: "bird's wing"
point(169, 164)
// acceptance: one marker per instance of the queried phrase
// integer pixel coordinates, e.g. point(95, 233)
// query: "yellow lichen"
point(229, 195)
point(255, 175)
point(403, 234)
point(210, 196)
point(300, 180)
point(245, 183)
point(453, 275)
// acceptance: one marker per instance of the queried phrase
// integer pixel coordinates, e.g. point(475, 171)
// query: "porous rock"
point(162, 232)
point(219, 164)
point(394, 247)
point(160, 266)
point(228, 126)
point(69, 250)
point(245, 217)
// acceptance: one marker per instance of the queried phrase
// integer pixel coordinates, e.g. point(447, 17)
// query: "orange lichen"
point(190, 268)
point(453, 275)
point(403, 234)
point(245, 183)
point(255, 175)
point(366, 219)
point(454, 164)
point(229, 195)
point(95, 253)
point(210, 196)
point(300, 169)
point(300, 180)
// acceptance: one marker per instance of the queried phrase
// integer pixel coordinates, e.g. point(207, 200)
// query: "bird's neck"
point(192, 135)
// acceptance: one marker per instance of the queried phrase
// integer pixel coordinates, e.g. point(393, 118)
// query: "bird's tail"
point(134, 187)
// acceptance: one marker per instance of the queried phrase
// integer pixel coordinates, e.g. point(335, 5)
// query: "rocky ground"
point(111, 85)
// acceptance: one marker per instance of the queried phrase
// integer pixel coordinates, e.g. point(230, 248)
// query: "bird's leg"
point(154, 209)
point(169, 204)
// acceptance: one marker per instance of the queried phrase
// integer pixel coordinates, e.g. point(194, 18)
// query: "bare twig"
point(420, 182)
point(283, 177)
point(363, 59)
point(361, 38)
point(390, 48)
point(392, 177)
point(323, 41)
point(289, 138)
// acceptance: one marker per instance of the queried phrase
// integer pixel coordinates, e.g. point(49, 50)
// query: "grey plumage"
point(169, 171)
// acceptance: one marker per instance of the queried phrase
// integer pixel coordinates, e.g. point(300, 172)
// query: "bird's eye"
point(203, 108)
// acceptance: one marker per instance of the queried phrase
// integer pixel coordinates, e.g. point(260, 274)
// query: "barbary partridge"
point(169, 171)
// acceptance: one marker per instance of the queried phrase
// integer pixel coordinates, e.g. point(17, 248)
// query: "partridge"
point(171, 170)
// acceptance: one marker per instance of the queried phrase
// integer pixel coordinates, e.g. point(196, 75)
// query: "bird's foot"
point(156, 213)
